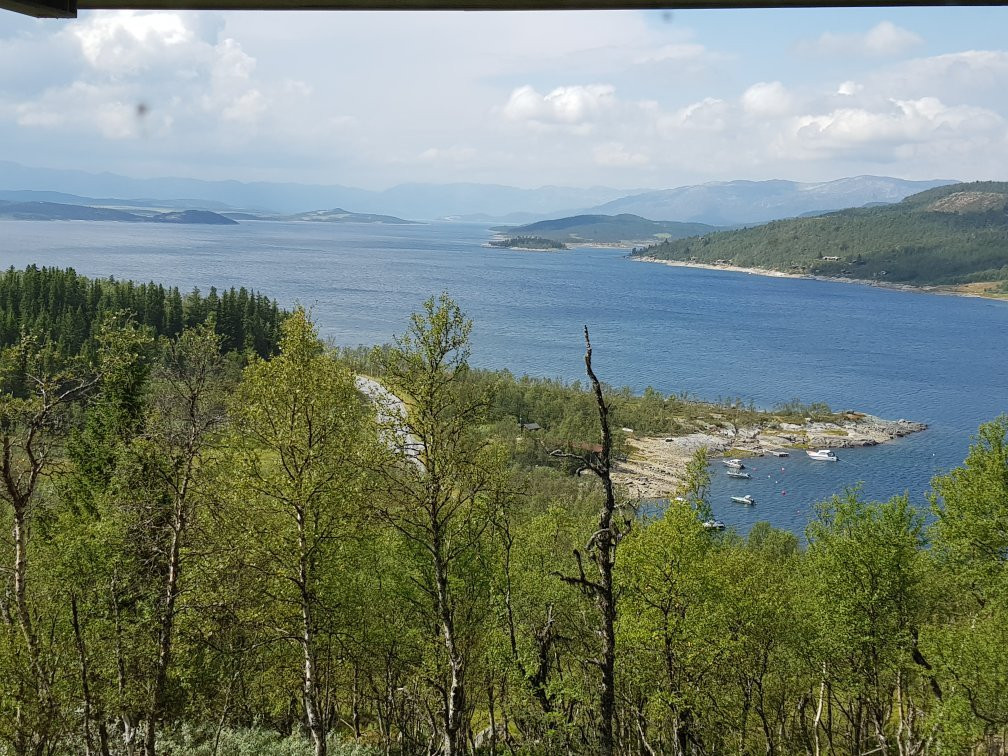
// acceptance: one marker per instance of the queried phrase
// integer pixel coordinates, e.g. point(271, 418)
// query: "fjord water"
point(715, 335)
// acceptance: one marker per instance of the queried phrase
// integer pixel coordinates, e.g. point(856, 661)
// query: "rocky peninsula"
point(654, 465)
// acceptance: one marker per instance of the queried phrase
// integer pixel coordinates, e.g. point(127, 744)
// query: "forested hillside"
point(200, 558)
point(949, 235)
point(65, 308)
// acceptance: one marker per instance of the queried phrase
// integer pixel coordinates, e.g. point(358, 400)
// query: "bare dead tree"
point(613, 525)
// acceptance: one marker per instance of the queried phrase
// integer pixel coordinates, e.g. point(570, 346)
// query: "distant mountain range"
point(607, 229)
point(421, 201)
point(732, 203)
point(728, 203)
point(950, 235)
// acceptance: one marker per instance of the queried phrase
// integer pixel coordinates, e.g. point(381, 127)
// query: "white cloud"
point(708, 115)
point(905, 127)
point(127, 42)
point(375, 99)
point(767, 99)
point(155, 74)
point(977, 76)
point(571, 105)
point(883, 39)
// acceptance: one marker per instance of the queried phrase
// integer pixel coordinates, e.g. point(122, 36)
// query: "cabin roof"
point(69, 8)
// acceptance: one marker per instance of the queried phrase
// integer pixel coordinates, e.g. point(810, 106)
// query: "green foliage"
point(949, 235)
point(527, 242)
point(230, 741)
point(258, 559)
point(971, 508)
point(66, 309)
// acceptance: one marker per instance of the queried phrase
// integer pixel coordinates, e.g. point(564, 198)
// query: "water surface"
point(939, 359)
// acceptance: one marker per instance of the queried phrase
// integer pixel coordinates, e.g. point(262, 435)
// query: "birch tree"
point(438, 495)
point(303, 435)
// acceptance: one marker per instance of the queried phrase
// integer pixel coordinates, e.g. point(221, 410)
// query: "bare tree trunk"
point(601, 549)
point(85, 686)
point(818, 715)
point(167, 624)
point(316, 723)
point(126, 717)
point(455, 695)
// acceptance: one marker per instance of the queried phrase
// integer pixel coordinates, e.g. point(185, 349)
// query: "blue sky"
point(623, 99)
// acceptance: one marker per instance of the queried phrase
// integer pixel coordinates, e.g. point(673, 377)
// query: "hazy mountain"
point(727, 203)
point(719, 203)
point(57, 211)
point(29, 195)
point(421, 201)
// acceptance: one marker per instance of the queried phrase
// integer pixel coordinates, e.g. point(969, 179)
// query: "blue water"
point(712, 334)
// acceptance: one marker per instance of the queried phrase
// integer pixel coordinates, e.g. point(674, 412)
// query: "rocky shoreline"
point(654, 466)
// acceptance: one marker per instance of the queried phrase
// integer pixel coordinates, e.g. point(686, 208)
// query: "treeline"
point(197, 560)
point(64, 308)
point(949, 235)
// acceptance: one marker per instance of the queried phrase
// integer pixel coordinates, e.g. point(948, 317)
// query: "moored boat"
point(747, 500)
point(713, 525)
point(780, 453)
point(736, 463)
point(824, 455)
point(737, 474)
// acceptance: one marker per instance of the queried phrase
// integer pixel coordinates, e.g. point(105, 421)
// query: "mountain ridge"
point(946, 236)
point(727, 203)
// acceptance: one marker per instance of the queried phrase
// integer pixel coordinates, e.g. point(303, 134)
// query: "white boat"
point(736, 463)
point(780, 453)
point(747, 500)
point(737, 474)
point(714, 525)
point(824, 455)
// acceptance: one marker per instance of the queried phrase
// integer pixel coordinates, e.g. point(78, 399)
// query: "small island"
point(339, 215)
point(528, 243)
point(607, 230)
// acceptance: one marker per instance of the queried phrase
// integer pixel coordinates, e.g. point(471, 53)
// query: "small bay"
point(714, 335)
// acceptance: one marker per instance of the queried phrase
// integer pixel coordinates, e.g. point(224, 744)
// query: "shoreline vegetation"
point(977, 289)
point(655, 435)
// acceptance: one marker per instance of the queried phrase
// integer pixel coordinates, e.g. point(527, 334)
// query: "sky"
point(625, 99)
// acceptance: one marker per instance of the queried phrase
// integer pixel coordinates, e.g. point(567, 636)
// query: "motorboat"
point(780, 453)
point(823, 455)
point(713, 525)
point(736, 463)
point(737, 474)
point(747, 500)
